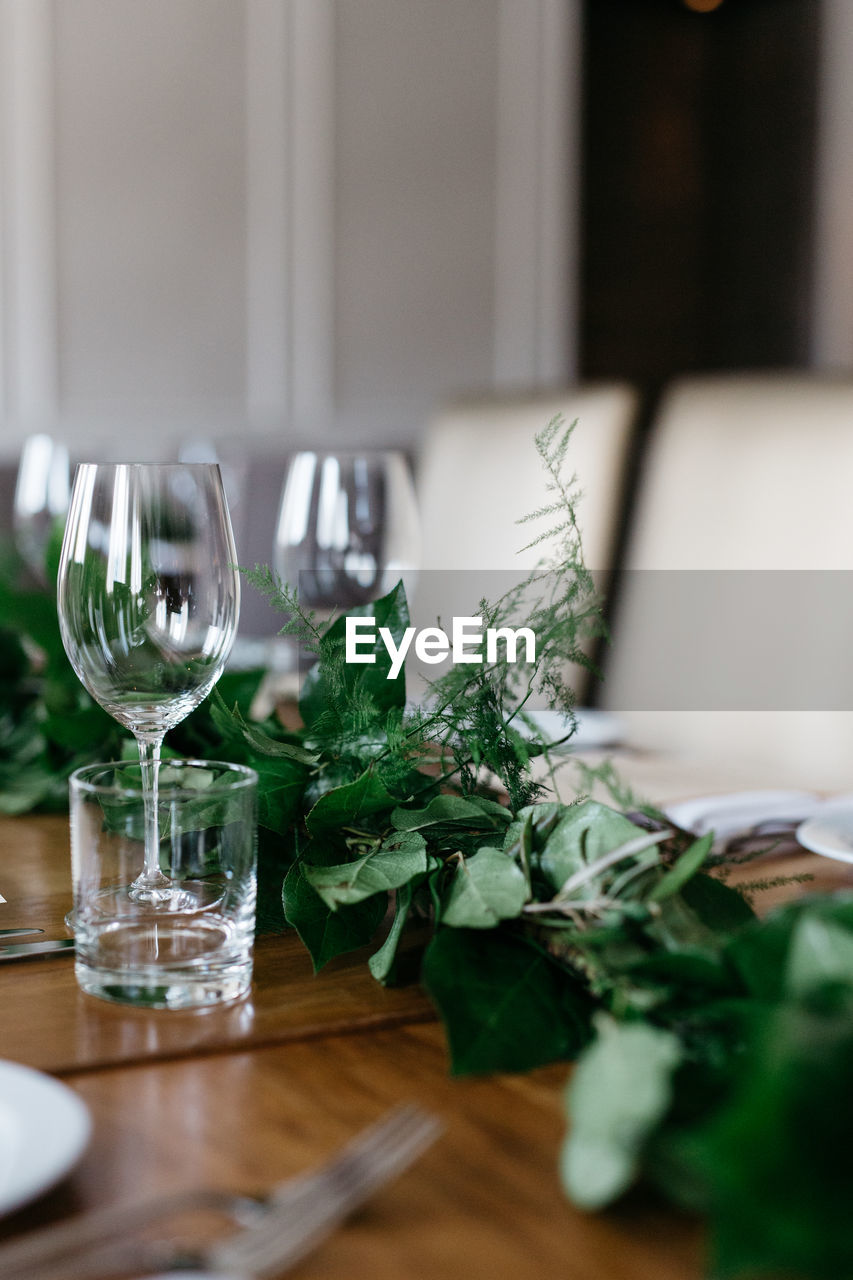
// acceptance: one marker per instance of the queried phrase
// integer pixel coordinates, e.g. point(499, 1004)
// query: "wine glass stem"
point(149, 759)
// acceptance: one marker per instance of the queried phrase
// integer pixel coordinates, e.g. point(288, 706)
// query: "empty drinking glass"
point(195, 948)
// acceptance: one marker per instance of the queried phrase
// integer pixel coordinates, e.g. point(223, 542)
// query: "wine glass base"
point(169, 898)
point(189, 897)
point(186, 897)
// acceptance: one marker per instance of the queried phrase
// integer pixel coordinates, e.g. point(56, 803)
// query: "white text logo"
point(433, 644)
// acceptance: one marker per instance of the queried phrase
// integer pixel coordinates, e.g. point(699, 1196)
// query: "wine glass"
point(149, 598)
point(348, 527)
point(41, 498)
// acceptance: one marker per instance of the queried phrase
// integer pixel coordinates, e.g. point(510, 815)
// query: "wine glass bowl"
point(42, 487)
point(148, 601)
point(347, 527)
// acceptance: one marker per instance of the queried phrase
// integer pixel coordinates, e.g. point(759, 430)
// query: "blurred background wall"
point(284, 220)
point(273, 221)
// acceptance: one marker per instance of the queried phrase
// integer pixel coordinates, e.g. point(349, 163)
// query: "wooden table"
point(246, 1095)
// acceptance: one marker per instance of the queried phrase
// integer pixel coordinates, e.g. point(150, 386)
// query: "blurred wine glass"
point(348, 527)
point(42, 492)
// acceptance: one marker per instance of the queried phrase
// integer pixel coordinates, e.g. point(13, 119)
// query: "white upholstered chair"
point(479, 473)
point(749, 473)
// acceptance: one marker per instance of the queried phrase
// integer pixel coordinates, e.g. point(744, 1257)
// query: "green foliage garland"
point(715, 1049)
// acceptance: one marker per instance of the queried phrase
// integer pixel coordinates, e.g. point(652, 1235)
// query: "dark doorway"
point(698, 145)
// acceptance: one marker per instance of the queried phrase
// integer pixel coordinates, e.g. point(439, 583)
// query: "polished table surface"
point(243, 1096)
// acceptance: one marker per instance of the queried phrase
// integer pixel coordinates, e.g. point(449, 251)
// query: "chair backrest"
point(746, 488)
point(479, 473)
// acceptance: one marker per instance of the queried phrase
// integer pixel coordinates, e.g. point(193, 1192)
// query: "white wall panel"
point(151, 206)
point(279, 219)
point(415, 204)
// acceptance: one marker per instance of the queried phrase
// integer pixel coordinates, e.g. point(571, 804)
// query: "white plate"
point(44, 1129)
point(829, 831)
point(740, 811)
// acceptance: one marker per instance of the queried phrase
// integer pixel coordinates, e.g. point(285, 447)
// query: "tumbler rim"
point(238, 777)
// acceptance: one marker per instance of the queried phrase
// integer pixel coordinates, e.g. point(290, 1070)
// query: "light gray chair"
point(739, 561)
point(479, 473)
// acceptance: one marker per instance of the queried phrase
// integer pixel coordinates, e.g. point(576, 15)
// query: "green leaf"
point(327, 933)
point(774, 1160)
point(674, 880)
point(470, 810)
point(504, 1004)
point(275, 856)
point(33, 614)
point(388, 866)
point(583, 834)
point(281, 786)
point(85, 728)
point(232, 723)
point(26, 790)
point(620, 1090)
point(720, 907)
point(391, 611)
point(697, 973)
point(820, 952)
point(488, 887)
point(759, 953)
point(381, 963)
point(349, 805)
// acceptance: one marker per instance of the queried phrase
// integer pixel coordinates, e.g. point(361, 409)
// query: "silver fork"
point(289, 1222)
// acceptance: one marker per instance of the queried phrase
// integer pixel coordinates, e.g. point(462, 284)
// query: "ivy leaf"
point(350, 804)
point(281, 786)
point(381, 963)
point(388, 866)
point(583, 834)
point(275, 856)
point(327, 933)
point(391, 611)
point(504, 1004)
point(232, 724)
point(620, 1090)
point(718, 906)
point(472, 810)
point(488, 887)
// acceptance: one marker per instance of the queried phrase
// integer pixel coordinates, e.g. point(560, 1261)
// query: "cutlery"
point(25, 950)
point(16, 933)
point(281, 1228)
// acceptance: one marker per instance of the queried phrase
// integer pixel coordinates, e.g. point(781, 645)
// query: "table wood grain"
point(47, 1022)
point(485, 1201)
point(246, 1095)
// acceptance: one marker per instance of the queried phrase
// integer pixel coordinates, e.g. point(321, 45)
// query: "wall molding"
point(30, 364)
point(267, 226)
point(536, 204)
point(290, 200)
